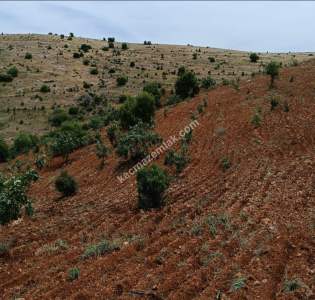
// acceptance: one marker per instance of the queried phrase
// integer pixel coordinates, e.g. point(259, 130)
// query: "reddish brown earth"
point(266, 198)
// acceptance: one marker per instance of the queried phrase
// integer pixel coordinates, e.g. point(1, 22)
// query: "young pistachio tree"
point(101, 152)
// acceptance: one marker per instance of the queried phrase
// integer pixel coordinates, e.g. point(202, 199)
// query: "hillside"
point(25, 108)
point(246, 232)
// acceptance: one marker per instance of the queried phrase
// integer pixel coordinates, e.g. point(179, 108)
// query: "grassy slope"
point(65, 75)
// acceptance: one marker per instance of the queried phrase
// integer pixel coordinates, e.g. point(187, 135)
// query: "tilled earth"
point(242, 233)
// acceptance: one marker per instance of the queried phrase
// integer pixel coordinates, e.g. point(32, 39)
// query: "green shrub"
point(111, 39)
point(256, 120)
point(13, 195)
point(225, 163)
point(57, 117)
point(186, 85)
point(253, 57)
point(101, 152)
point(124, 46)
point(13, 71)
point(23, 143)
point(5, 78)
point(274, 103)
point(136, 142)
point(4, 150)
point(85, 47)
point(211, 59)
point(65, 184)
point(151, 183)
point(73, 110)
point(76, 55)
point(44, 88)
point(94, 71)
point(86, 61)
point(272, 69)
point(141, 108)
point(154, 88)
point(96, 122)
point(73, 274)
point(122, 80)
point(178, 159)
point(103, 247)
point(113, 133)
point(208, 83)
point(28, 55)
point(68, 138)
point(132, 64)
point(111, 45)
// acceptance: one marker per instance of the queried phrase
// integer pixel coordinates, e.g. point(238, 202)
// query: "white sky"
point(253, 26)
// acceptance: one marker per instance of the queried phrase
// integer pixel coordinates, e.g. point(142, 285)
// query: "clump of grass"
point(238, 283)
point(225, 163)
point(47, 249)
point(103, 247)
point(73, 274)
point(291, 285)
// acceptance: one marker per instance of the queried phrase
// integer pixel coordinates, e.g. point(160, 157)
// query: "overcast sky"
point(252, 26)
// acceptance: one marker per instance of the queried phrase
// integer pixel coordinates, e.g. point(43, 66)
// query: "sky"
point(251, 26)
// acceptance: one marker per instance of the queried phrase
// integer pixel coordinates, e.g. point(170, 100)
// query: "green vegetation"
point(13, 71)
point(135, 143)
point(65, 184)
point(4, 150)
point(23, 143)
point(151, 183)
point(208, 83)
point(186, 85)
point(253, 57)
point(103, 247)
point(44, 88)
point(13, 195)
point(73, 274)
point(154, 88)
point(272, 69)
point(124, 46)
point(122, 80)
point(28, 55)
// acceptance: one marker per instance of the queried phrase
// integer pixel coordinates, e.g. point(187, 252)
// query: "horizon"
point(134, 22)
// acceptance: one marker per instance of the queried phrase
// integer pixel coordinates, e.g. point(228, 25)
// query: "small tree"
point(28, 55)
point(145, 108)
point(253, 57)
point(101, 152)
point(44, 88)
point(154, 88)
point(272, 69)
point(124, 46)
point(151, 183)
point(65, 184)
point(186, 85)
point(208, 83)
point(13, 196)
point(136, 142)
point(122, 80)
point(23, 143)
point(13, 71)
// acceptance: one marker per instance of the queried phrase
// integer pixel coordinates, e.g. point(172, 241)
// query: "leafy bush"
point(208, 82)
point(44, 88)
point(141, 108)
point(253, 57)
point(73, 110)
point(111, 39)
point(111, 45)
point(124, 46)
point(136, 142)
point(113, 133)
point(225, 163)
point(132, 64)
point(211, 59)
point(28, 55)
point(65, 184)
point(96, 122)
point(272, 69)
point(94, 71)
point(186, 85)
point(85, 47)
point(76, 55)
point(101, 152)
point(57, 117)
point(13, 71)
point(5, 78)
point(151, 183)
point(178, 159)
point(23, 143)
point(103, 247)
point(122, 80)
point(13, 196)
point(154, 88)
point(4, 151)
point(68, 138)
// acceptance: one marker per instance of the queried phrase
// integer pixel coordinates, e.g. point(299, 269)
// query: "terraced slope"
point(243, 233)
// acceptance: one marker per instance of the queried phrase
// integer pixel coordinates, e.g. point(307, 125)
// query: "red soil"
point(267, 196)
